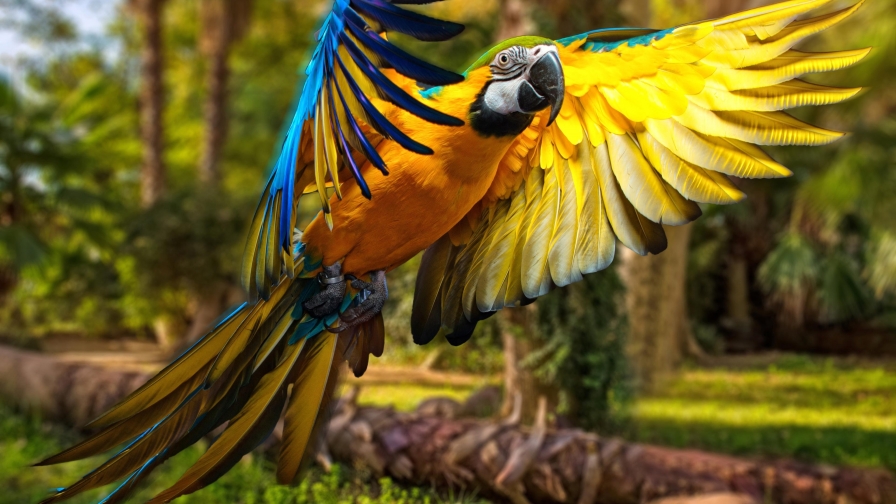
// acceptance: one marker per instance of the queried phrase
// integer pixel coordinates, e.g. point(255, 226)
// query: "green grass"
point(406, 397)
point(812, 409)
point(25, 440)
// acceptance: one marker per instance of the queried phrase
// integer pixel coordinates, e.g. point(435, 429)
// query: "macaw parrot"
point(518, 176)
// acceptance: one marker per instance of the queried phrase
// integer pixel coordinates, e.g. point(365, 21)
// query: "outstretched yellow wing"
point(652, 123)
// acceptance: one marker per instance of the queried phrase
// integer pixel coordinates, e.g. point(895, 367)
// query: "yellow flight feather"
point(535, 273)
point(268, 395)
point(561, 256)
point(595, 243)
point(693, 182)
point(795, 93)
point(181, 371)
point(304, 404)
point(499, 257)
point(533, 191)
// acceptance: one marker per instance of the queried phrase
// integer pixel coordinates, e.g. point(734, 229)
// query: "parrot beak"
point(544, 87)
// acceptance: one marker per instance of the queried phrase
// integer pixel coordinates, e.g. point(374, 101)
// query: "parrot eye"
point(503, 59)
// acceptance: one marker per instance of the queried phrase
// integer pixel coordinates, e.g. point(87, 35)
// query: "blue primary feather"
point(344, 18)
point(408, 22)
point(366, 148)
point(402, 61)
point(379, 121)
point(394, 93)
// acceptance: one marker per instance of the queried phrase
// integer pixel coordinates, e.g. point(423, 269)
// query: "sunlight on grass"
point(812, 409)
point(406, 397)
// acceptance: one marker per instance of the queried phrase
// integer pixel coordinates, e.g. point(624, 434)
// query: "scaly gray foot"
point(329, 299)
point(371, 298)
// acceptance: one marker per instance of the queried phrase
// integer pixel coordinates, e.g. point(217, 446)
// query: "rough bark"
point(497, 459)
point(70, 393)
point(515, 19)
point(659, 330)
point(519, 338)
point(224, 22)
point(152, 98)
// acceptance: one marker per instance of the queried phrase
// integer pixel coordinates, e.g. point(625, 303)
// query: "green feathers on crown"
point(525, 41)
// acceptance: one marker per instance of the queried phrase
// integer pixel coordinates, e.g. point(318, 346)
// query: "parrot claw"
point(329, 299)
point(371, 298)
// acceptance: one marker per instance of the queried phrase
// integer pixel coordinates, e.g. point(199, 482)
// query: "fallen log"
point(495, 458)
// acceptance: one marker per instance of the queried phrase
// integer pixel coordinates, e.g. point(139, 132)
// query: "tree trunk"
point(152, 98)
point(216, 80)
point(519, 337)
point(656, 299)
point(515, 19)
point(224, 22)
point(503, 460)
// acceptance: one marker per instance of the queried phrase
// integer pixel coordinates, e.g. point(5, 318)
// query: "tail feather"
point(305, 403)
point(122, 431)
point(239, 373)
point(146, 447)
point(367, 339)
point(182, 370)
point(250, 426)
point(241, 347)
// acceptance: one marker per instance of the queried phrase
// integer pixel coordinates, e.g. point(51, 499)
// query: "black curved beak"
point(544, 87)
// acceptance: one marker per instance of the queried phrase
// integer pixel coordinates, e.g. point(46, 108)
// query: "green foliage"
point(814, 409)
point(187, 242)
point(583, 327)
point(842, 292)
point(791, 269)
point(105, 265)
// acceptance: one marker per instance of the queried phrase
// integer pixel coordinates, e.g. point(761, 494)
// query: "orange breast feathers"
point(421, 199)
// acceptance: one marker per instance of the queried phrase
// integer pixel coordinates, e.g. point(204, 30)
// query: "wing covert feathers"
point(653, 123)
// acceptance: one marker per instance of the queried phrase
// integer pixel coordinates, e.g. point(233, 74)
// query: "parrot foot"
point(371, 298)
point(329, 299)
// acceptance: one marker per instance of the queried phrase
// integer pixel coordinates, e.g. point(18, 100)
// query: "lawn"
point(823, 410)
point(814, 409)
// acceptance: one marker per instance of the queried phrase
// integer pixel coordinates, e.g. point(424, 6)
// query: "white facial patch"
point(501, 96)
point(510, 68)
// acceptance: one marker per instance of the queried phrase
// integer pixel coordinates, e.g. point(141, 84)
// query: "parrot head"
point(524, 77)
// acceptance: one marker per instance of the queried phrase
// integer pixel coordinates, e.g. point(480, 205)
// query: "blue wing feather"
point(394, 93)
point(408, 22)
point(379, 121)
point(365, 147)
